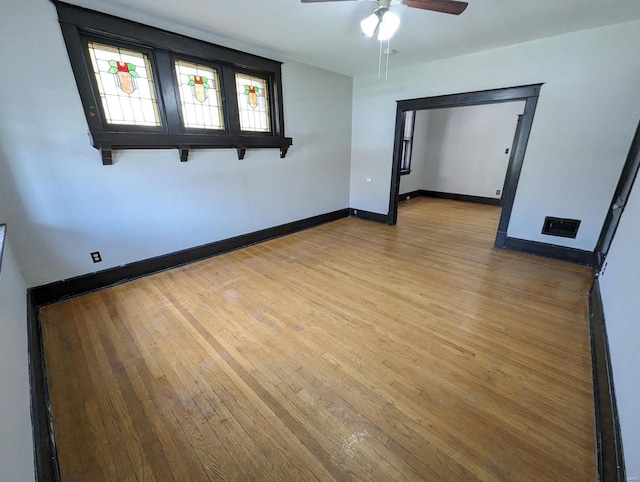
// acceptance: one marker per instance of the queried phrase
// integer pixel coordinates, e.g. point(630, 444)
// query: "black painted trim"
point(447, 195)
point(60, 290)
point(44, 449)
point(491, 96)
point(44, 446)
point(369, 216)
point(572, 255)
point(3, 234)
point(626, 182)
point(409, 195)
point(462, 197)
point(610, 455)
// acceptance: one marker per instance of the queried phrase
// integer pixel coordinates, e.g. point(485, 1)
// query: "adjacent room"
point(462, 153)
point(319, 240)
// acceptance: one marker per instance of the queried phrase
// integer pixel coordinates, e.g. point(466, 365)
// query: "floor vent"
point(566, 228)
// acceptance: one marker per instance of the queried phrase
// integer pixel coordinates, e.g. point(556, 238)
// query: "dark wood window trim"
point(79, 25)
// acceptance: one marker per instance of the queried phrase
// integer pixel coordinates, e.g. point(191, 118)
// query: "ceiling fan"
point(386, 23)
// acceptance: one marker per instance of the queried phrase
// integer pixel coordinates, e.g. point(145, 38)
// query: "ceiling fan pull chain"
point(386, 72)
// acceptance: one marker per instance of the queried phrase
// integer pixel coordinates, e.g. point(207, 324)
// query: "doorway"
point(529, 94)
point(459, 153)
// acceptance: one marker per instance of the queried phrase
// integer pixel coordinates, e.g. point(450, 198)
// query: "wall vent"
point(565, 228)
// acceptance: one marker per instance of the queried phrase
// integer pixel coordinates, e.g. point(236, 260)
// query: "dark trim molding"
point(369, 216)
point(453, 196)
point(610, 456)
point(578, 256)
point(462, 197)
point(60, 290)
point(44, 445)
point(409, 195)
point(619, 200)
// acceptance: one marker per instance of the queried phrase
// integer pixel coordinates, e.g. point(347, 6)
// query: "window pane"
point(409, 118)
point(200, 98)
point(253, 103)
point(407, 143)
point(126, 85)
point(406, 155)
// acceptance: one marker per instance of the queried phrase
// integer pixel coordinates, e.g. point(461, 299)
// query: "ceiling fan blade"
point(443, 6)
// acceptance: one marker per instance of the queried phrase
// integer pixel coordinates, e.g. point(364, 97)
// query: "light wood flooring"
point(351, 351)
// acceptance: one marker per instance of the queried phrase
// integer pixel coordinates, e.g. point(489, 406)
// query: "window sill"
point(107, 142)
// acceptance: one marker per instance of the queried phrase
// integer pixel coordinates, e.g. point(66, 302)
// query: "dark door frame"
point(616, 208)
point(528, 93)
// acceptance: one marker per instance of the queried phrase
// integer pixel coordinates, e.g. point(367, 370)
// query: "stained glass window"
point(140, 89)
point(126, 86)
point(199, 96)
point(253, 103)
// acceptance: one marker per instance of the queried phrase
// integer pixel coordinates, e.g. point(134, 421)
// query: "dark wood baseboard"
point(409, 195)
point(578, 256)
point(44, 446)
point(461, 197)
point(369, 216)
point(610, 457)
point(60, 290)
point(452, 196)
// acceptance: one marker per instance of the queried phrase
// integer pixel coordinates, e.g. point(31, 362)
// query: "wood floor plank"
point(351, 351)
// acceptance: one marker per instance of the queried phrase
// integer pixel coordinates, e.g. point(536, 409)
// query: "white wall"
point(583, 127)
point(16, 449)
point(415, 179)
point(465, 148)
point(66, 204)
point(620, 286)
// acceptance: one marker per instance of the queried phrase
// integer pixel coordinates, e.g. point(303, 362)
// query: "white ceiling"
point(327, 34)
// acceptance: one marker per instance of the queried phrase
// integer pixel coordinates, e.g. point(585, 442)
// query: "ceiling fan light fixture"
point(388, 26)
point(369, 25)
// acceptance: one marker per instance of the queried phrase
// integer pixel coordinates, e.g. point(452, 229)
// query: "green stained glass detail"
point(125, 81)
point(253, 103)
point(200, 96)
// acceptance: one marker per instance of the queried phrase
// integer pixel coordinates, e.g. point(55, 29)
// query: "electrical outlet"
point(96, 257)
point(506, 151)
point(497, 192)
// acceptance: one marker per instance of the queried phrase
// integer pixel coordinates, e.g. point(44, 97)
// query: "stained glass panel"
point(126, 86)
point(200, 97)
point(253, 103)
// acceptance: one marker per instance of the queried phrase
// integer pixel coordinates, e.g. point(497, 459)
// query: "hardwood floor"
point(351, 351)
